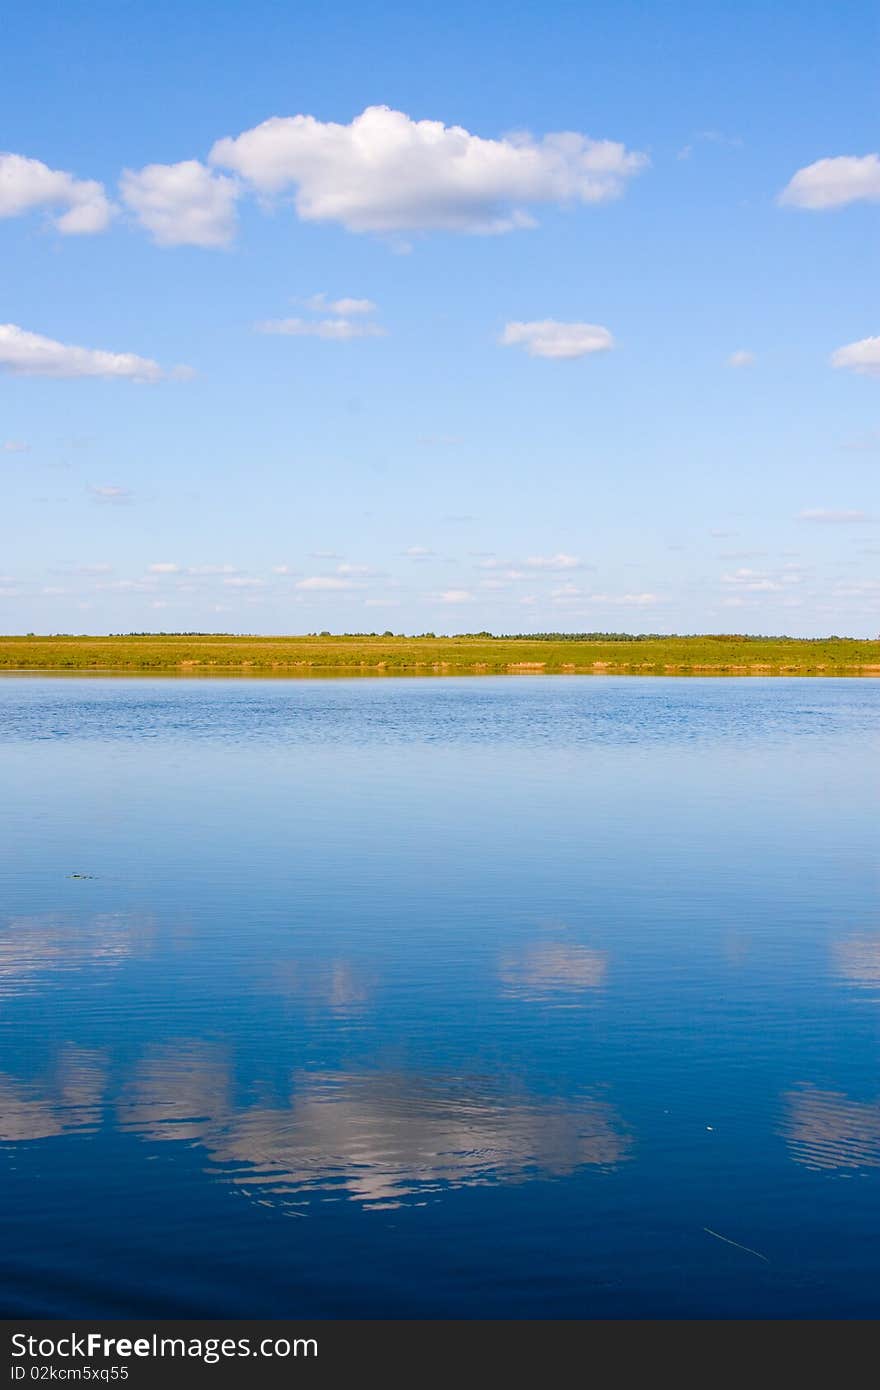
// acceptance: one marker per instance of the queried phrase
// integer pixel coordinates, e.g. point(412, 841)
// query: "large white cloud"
point(30, 354)
point(182, 204)
point(549, 338)
point(831, 183)
point(862, 357)
point(385, 172)
point(80, 205)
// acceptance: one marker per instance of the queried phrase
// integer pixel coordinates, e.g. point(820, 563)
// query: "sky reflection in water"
point(504, 992)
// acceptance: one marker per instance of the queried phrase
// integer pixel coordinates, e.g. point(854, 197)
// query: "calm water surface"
point(440, 998)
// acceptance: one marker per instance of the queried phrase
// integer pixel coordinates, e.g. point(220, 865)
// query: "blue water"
point(539, 997)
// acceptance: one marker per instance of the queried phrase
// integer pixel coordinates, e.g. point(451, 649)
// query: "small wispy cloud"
point(709, 137)
point(360, 571)
point(560, 341)
point(345, 308)
point(209, 570)
point(110, 492)
point(560, 561)
point(316, 583)
point(751, 581)
point(858, 588)
point(140, 586)
point(834, 517)
point(333, 330)
point(863, 443)
point(741, 358)
point(644, 600)
point(14, 446)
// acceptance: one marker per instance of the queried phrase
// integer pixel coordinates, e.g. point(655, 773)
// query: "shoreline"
point(354, 673)
point(373, 657)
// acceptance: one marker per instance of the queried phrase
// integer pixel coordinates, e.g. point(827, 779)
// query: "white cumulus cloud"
point(385, 172)
point(182, 204)
point(832, 183)
point(549, 338)
point(862, 357)
point(80, 206)
point(30, 354)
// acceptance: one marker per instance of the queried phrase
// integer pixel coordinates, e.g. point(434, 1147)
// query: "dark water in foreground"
point(453, 998)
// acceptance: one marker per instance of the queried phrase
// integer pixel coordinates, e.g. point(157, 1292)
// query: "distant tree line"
point(731, 637)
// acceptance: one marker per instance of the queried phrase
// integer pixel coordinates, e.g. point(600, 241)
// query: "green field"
point(208, 654)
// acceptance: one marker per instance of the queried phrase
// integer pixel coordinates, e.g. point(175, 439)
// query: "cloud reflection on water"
point(856, 959)
point(828, 1130)
point(371, 1137)
point(374, 1138)
point(553, 971)
point(33, 947)
point(74, 1099)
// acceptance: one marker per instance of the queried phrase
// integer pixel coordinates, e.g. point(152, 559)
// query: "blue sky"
point(368, 373)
